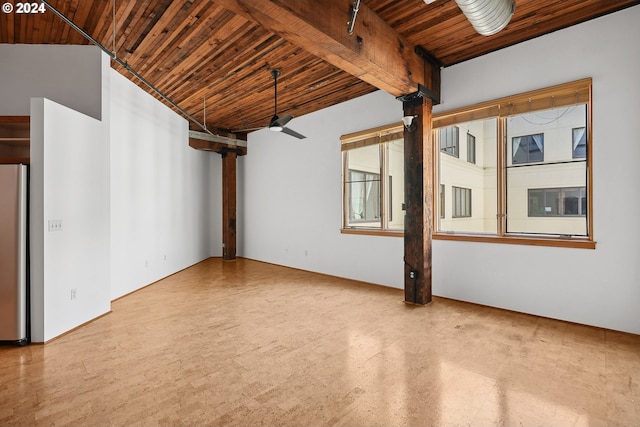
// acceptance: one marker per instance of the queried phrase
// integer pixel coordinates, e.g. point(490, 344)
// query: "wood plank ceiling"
point(196, 50)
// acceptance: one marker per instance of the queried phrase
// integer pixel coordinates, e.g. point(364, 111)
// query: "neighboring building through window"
point(479, 177)
point(534, 187)
point(551, 166)
point(527, 164)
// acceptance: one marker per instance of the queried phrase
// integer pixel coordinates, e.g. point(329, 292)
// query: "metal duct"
point(487, 16)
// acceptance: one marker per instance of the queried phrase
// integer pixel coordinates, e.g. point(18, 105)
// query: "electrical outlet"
point(74, 293)
point(55, 225)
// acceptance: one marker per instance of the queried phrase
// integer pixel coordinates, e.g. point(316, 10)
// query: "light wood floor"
point(247, 343)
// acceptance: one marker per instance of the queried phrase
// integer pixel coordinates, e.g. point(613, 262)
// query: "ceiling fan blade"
point(282, 121)
point(293, 133)
point(247, 130)
point(278, 124)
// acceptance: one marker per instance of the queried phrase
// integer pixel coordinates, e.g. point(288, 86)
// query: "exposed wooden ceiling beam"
point(219, 144)
point(375, 52)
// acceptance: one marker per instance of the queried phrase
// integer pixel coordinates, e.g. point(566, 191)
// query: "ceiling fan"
point(278, 124)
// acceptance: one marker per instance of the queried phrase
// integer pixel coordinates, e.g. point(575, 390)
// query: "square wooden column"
point(229, 205)
point(418, 193)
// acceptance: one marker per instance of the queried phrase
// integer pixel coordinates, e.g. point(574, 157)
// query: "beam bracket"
point(415, 98)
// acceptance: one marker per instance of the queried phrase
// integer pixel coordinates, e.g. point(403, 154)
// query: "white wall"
point(69, 183)
point(291, 190)
point(165, 196)
point(128, 185)
point(68, 75)
point(69, 178)
point(598, 287)
point(290, 196)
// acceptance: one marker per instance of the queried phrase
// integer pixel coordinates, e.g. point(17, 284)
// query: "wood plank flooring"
point(246, 343)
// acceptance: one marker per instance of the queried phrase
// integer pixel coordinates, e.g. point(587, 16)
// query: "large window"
point(531, 179)
point(373, 180)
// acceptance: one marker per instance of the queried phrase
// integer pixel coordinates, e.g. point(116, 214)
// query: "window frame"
point(379, 136)
point(573, 93)
point(366, 175)
point(442, 201)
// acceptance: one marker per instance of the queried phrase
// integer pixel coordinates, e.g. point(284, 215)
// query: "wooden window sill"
point(507, 240)
point(520, 240)
point(372, 232)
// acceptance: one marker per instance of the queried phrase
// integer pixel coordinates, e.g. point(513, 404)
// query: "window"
point(480, 178)
point(558, 202)
point(393, 155)
point(471, 148)
point(441, 200)
point(579, 143)
point(531, 170)
point(528, 148)
point(373, 180)
point(461, 202)
point(449, 140)
point(558, 170)
point(364, 196)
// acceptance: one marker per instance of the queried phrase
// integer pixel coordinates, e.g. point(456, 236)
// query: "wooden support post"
point(229, 205)
point(418, 189)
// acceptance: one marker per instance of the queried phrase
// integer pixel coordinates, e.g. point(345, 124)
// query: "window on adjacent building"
point(579, 143)
point(450, 140)
point(557, 202)
point(461, 202)
point(532, 171)
point(373, 179)
point(471, 148)
point(558, 210)
point(528, 148)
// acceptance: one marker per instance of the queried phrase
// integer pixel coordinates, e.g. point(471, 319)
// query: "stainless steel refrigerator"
point(13, 254)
